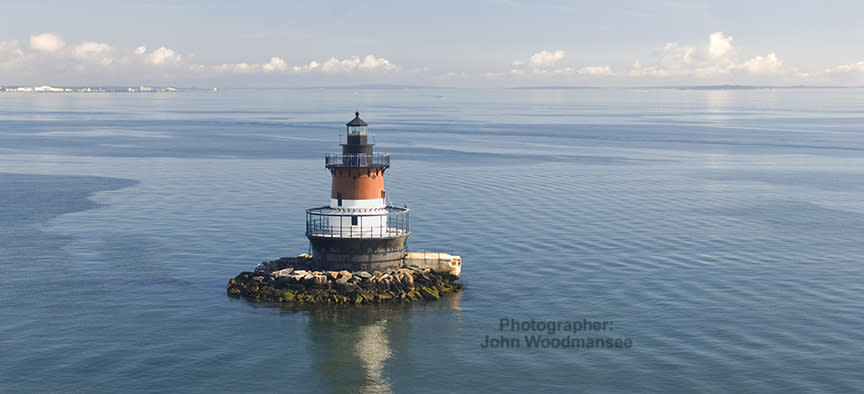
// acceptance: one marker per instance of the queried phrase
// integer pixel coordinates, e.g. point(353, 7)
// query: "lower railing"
point(337, 223)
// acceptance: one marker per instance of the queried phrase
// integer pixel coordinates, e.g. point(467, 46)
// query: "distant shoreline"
point(146, 89)
point(101, 89)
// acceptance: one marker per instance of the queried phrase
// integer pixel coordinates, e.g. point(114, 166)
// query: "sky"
point(483, 43)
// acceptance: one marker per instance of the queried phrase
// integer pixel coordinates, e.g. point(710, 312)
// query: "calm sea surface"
point(721, 232)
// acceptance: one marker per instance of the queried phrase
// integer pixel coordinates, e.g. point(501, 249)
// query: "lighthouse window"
point(362, 158)
point(339, 197)
point(353, 220)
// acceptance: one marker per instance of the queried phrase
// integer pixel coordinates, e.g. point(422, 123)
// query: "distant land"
point(102, 89)
point(692, 87)
point(746, 87)
point(166, 89)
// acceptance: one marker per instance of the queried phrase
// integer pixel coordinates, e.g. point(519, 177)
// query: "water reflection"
point(360, 349)
point(718, 103)
point(373, 349)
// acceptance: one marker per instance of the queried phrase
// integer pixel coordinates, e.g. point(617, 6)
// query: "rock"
point(283, 272)
point(429, 293)
point(292, 281)
point(409, 281)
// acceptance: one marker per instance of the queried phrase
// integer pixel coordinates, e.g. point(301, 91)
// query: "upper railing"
point(357, 160)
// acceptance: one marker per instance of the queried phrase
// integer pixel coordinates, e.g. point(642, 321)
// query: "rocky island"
point(293, 280)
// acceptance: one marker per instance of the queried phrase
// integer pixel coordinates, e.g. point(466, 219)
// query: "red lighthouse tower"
point(358, 230)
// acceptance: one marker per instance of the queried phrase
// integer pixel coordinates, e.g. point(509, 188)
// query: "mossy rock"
point(260, 286)
point(429, 293)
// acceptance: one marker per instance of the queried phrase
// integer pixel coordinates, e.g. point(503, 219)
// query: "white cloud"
point(94, 52)
point(847, 68)
point(595, 70)
point(847, 73)
point(162, 56)
point(539, 64)
point(456, 75)
point(10, 48)
point(334, 65)
point(275, 64)
point(46, 43)
point(638, 70)
point(544, 58)
point(719, 45)
point(11, 55)
point(544, 63)
point(368, 63)
point(140, 50)
point(762, 64)
point(240, 68)
point(313, 65)
point(676, 57)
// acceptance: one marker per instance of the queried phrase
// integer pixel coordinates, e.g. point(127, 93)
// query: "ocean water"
point(718, 232)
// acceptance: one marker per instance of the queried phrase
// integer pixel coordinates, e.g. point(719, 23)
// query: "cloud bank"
point(716, 60)
point(99, 57)
point(334, 65)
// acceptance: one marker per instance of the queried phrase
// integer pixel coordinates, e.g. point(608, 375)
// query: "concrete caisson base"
point(358, 254)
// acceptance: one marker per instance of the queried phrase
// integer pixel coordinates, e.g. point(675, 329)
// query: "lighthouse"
point(357, 233)
point(358, 230)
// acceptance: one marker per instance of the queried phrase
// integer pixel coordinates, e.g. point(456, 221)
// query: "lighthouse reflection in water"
point(354, 348)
